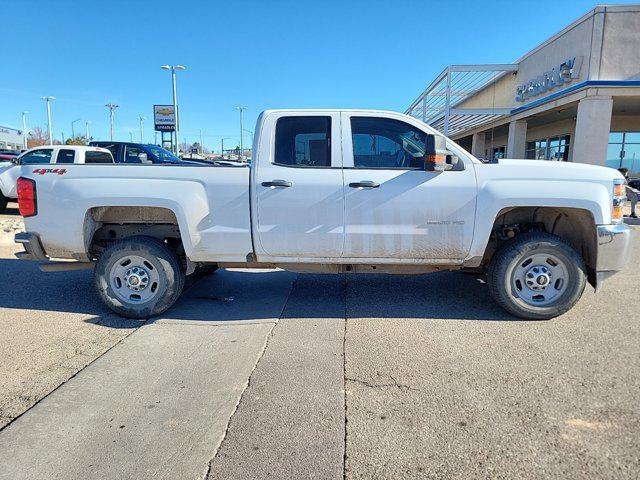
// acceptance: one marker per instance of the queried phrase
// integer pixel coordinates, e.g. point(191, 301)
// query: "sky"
point(258, 54)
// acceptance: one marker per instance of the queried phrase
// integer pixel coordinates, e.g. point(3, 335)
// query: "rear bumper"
point(614, 249)
point(32, 247)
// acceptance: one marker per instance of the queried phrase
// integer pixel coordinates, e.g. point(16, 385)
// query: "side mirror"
point(143, 158)
point(437, 157)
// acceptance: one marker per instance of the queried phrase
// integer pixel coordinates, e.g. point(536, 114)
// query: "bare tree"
point(37, 137)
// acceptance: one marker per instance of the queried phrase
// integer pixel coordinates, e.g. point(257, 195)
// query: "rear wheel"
point(139, 277)
point(3, 202)
point(536, 276)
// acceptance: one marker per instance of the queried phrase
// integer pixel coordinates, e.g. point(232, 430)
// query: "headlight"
point(619, 200)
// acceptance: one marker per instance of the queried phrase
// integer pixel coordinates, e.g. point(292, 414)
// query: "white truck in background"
point(51, 155)
point(333, 191)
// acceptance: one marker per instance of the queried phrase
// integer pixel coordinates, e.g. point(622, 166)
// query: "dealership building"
point(11, 138)
point(575, 97)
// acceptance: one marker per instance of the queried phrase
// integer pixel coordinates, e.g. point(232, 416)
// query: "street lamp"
point(86, 126)
point(173, 69)
point(24, 128)
point(131, 137)
point(241, 109)
point(112, 107)
point(49, 100)
point(73, 134)
point(142, 119)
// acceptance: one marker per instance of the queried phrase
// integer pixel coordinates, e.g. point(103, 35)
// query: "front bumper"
point(614, 249)
point(32, 247)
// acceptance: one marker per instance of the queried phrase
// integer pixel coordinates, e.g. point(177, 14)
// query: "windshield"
point(162, 154)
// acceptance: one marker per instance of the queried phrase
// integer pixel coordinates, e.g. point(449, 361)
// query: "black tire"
point(508, 258)
point(3, 203)
point(162, 262)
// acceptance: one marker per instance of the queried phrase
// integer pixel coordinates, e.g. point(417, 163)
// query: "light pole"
point(131, 137)
point(73, 134)
point(24, 128)
point(62, 134)
point(112, 107)
point(173, 69)
point(49, 100)
point(201, 145)
point(86, 126)
point(142, 119)
point(241, 109)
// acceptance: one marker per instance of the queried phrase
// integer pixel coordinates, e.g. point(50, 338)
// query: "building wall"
point(620, 59)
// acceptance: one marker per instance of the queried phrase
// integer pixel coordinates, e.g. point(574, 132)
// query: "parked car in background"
point(140, 153)
point(46, 155)
point(7, 155)
point(329, 191)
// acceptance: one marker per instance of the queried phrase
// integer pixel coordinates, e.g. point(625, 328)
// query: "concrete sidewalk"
point(157, 404)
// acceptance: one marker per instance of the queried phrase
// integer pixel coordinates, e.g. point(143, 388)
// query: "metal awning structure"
point(436, 106)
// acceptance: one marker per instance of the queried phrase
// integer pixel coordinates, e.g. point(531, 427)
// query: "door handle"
point(277, 184)
point(364, 184)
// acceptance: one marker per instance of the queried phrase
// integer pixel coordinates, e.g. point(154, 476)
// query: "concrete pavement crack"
point(344, 377)
point(400, 386)
point(248, 383)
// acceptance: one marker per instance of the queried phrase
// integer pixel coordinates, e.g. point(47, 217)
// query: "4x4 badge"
point(42, 171)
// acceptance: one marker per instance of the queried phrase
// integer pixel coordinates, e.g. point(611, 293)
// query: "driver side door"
point(394, 209)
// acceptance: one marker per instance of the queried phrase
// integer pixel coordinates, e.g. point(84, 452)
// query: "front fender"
point(495, 196)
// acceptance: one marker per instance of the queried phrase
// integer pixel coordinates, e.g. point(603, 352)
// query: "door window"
point(65, 156)
point(387, 143)
point(303, 142)
point(37, 157)
point(131, 154)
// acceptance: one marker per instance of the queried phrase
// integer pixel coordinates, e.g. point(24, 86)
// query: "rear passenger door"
point(298, 186)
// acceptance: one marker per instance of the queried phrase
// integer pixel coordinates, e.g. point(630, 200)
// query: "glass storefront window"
point(623, 151)
point(552, 148)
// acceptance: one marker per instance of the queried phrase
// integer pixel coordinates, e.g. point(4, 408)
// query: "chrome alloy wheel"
point(134, 279)
point(539, 279)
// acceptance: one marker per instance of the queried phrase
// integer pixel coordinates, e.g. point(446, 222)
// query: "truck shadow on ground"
point(240, 295)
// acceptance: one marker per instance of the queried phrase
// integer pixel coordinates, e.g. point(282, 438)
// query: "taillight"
point(27, 198)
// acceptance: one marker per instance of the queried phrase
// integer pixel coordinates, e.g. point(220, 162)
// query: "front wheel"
point(536, 276)
point(139, 277)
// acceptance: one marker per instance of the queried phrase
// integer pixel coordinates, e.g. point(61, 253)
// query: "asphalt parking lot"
point(277, 375)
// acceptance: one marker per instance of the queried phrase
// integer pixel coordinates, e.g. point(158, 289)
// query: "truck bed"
point(210, 203)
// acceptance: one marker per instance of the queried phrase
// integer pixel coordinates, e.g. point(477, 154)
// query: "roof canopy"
point(436, 106)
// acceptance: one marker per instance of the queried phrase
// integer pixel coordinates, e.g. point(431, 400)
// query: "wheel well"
point(574, 225)
point(105, 225)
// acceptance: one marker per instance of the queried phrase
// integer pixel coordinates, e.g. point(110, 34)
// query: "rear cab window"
point(303, 142)
point(97, 157)
point(65, 156)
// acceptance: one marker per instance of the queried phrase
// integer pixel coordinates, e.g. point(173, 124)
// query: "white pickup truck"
point(46, 155)
point(333, 191)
